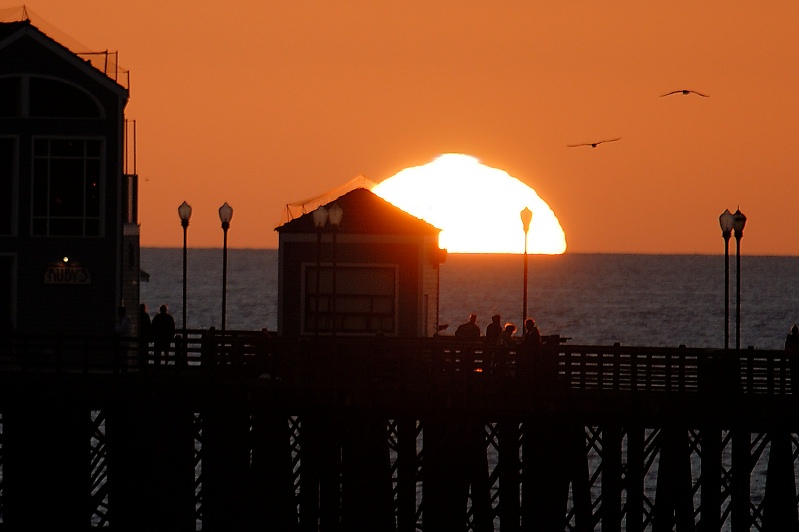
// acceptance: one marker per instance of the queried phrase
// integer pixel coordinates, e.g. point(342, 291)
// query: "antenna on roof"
point(308, 205)
point(25, 13)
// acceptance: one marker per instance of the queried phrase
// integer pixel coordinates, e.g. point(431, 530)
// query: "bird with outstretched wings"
point(593, 144)
point(685, 92)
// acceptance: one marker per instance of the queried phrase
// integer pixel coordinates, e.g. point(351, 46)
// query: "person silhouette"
point(123, 325)
point(468, 330)
point(144, 323)
point(145, 327)
point(531, 336)
point(792, 340)
point(530, 348)
point(506, 338)
point(494, 329)
point(163, 332)
point(501, 355)
point(792, 348)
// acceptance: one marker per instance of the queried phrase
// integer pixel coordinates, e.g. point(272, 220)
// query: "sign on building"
point(67, 275)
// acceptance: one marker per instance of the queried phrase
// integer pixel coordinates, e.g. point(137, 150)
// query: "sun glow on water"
point(475, 206)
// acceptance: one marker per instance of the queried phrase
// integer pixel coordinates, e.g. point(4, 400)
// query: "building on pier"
point(374, 272)
point(69, 237)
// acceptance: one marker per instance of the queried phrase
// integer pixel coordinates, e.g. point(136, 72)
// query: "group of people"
point(160, 330)
point(496, 334)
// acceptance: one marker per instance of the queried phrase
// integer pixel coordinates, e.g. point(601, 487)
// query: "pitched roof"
point(7, 28)
point(365, 213)
point(9, 31)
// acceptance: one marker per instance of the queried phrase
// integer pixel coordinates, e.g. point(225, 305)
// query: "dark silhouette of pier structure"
point(250, 432)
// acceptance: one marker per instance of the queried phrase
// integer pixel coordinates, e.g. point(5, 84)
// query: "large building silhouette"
point(69, 238)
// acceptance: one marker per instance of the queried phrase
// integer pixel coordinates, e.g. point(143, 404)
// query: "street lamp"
point(184, 212)
point(526, 216)
point(726, 223)
point(740, 441)
point(320, 216)
point(738, 223)
point(335, 214)
point(225, 215)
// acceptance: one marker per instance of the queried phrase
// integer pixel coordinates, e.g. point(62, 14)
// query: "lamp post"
point(526, 216)
point(726, 223)
point(335, 214)
point(184, 212)
point(741, 441)
point(320, 216)
point(225, 215)
point(739, 221)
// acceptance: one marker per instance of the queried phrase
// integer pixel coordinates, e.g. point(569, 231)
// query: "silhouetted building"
point(386, 265)
point(69, 237)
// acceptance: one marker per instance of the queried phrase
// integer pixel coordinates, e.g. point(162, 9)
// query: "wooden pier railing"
point(247, 431)
point(400, 362)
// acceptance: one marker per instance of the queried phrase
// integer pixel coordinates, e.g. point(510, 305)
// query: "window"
point(8, 158)
point(9, 97)
point(53, 99)
point(66, 187)
point(6, 292)
point(364, 300)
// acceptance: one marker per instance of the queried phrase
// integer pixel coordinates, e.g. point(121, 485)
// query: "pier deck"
point(247, 431)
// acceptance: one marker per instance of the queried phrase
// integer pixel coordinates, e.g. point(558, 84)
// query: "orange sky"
point(265, 103)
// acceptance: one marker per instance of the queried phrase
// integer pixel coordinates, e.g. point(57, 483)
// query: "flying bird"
point(593, 144)
point(685, 92)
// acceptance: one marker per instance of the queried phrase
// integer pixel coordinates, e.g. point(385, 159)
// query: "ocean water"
point(592, 299)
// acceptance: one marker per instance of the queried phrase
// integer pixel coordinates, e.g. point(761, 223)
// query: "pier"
point(250, 432)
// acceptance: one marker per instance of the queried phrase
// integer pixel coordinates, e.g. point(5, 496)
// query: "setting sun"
point(476, 207)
